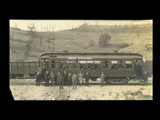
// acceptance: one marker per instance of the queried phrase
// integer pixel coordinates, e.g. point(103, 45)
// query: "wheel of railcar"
point(107, 81)
point(13, 76)
point(126, 82)
point(32, 75)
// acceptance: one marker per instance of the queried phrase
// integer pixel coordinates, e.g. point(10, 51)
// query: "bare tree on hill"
point(104, 39)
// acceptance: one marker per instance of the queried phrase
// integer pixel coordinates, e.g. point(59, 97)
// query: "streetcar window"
point(97, 62)
point(90, 66)
point(129, 64)
point(121, 65)
point(96, 66)
point(83, 66)
point(42, 61)
point(54, 64)
point(82, 62)
point(104, 64)
point(69, 65)
point(75, 66)
point(47, 64)
point(62, 65)
point(114, 64)
point(14, 64)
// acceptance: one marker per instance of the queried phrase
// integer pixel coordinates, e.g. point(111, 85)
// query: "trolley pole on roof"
point(40, 40)
point(53, 46)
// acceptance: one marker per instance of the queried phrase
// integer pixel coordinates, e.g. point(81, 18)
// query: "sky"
point(57, 25)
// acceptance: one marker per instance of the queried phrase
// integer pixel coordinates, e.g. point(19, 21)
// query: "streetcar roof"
point(92, 55)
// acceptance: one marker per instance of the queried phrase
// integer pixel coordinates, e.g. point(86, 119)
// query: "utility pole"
point(96, 23)
point(53, 46)
point(49, 44)
point(15, 24)
point(40, 40)
point(125, 26)
point(132, 47)
point(137, 31)
point(31, 30)
point(41, 27)
point(49, 28)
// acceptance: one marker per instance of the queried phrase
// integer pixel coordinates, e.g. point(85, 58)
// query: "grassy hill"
point(79, 40)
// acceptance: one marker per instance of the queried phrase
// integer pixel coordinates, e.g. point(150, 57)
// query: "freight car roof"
point(91, 55)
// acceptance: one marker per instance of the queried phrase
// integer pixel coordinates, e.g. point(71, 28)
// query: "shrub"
point(91, 43)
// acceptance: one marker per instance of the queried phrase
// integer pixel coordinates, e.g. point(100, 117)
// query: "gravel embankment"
point(93, 92)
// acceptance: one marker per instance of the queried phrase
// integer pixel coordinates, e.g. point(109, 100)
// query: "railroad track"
point(17, 82)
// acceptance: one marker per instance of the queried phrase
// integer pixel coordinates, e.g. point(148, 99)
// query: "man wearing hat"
point(102, 78)
point(74, 80)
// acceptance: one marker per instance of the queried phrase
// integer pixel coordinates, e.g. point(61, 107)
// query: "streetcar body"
point(117, 67)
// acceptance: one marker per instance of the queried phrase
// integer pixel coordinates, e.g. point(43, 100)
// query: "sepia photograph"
point(81, 60)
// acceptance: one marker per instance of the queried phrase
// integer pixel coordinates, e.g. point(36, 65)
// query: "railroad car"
point(20, 69)
point(117, 67)
point(149, 68)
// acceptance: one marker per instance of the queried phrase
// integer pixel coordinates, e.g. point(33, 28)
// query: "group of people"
point(64, 79)
point(43, 74)
point(70, 79)
point(61, 79)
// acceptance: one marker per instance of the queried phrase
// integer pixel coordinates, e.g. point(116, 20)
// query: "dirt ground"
point(93, 92)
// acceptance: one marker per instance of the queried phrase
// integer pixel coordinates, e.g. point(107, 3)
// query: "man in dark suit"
point(58, 78)
point(47, 78)
point(145, 78)
point(74, 80)
point(43, 72)
point(69, 79)
point(87, 77)
point(61, 81)
point(52, 75)
point(64, 75)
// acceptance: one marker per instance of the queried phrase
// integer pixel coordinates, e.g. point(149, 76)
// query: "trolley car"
point(117, 67)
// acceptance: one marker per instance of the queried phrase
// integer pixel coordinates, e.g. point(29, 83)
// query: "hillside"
point(79, 40)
